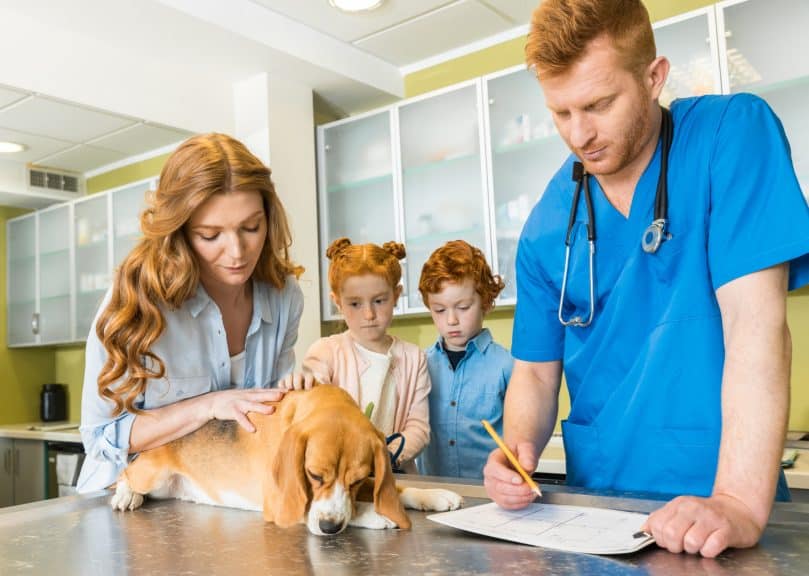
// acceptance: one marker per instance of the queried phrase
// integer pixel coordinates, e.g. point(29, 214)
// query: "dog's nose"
point(330, 527)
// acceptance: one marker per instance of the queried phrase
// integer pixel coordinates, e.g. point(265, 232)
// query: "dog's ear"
point(286, 504)
point(386, 496)
point(287, 409)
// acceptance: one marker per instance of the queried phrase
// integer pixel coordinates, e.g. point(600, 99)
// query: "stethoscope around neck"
point(653, 236)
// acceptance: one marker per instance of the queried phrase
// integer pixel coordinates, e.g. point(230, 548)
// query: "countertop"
point(83, 535)
point(51, 431)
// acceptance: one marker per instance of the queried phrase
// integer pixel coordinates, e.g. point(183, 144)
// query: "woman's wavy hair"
point(162, 269)
point(455, 262)
point(349, 260)
point(561, 30)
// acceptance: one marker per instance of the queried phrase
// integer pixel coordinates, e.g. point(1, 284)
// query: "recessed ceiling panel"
point(46, 117)
point(444, 30)
point(7, 96)
point(517, 10)
point(140, 138)
point(321, 16)
point(36, 147)
point(82, 158)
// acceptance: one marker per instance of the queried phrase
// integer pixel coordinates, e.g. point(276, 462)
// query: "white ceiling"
point(71, 137)
point(405, 32)
point(353, 62)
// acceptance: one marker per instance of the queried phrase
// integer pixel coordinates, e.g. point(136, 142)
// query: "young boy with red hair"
point(468, 369)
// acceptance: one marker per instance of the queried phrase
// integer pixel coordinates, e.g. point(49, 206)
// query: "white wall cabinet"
point(764, 47)
point(22, 471)
point(444, 195)
point(356, 192)
point(469, 161)
point(61, 260)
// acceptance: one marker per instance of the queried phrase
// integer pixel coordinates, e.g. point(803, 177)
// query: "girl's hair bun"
point(336, 247)
point(397, 249)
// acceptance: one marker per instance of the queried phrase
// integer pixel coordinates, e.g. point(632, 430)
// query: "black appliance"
point(53, 403)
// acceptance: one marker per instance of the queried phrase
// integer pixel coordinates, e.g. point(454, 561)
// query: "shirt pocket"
point(170, 390)
point(488, 406)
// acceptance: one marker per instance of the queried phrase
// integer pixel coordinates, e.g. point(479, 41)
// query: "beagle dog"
point(308, 462)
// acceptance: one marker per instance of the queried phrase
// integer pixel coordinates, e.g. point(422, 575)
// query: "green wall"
point(22, 370)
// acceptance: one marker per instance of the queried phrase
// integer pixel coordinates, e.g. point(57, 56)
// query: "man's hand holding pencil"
point(506, 475)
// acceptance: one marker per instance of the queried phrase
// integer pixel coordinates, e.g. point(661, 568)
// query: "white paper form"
point(557, 526)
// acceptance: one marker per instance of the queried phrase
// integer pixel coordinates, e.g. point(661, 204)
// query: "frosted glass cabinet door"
point(690, 46)
point(92, 259)
point(766, 46)
point(443, 190)
point(21, 260)
point(127, 204)
point(526, 151)
point(356, 186)
point(54, 275)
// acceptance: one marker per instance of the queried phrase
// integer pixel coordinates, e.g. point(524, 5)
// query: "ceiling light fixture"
point(356, 5)
point(11, 147)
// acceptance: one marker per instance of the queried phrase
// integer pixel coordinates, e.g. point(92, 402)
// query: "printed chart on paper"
point(561, 527)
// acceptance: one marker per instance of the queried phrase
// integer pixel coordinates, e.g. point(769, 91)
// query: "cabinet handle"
point(35, 322)
point(16, 462)
point(6, 459)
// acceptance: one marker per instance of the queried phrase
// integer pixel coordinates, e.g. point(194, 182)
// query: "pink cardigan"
point(334, 360)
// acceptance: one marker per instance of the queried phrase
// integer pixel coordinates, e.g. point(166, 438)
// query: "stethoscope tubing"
point(653, 236)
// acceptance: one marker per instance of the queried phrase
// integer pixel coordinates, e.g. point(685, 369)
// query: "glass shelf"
point(60, 252)
point(527, 145)
point(89, 293)
point(442, 237)
point(54, 297)
point(14, 259)
point(128, 236)
point(437, 164)
point(93, 244)
point(362, 183)
point(760, 88)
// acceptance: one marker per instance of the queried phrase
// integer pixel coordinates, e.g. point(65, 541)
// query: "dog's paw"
point(367, 517)
point(430, 499)
point(124, 498)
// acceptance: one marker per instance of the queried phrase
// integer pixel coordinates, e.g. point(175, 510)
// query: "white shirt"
point(237, 363)
point(377, 386)
point(194, 348)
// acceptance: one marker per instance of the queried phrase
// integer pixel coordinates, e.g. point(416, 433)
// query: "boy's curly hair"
point(456, 261)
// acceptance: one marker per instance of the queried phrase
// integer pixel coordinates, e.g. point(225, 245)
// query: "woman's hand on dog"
point(235, 404)
point(297, 381)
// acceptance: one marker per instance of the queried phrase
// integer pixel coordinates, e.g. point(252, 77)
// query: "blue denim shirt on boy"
point(459, 400)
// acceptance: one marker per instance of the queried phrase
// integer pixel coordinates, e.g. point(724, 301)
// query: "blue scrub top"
point(645, 377)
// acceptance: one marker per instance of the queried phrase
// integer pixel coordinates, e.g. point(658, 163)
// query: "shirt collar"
point(481, 341)
point(200, 300)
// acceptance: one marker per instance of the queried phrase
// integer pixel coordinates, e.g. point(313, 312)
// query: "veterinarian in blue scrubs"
point(673, 336)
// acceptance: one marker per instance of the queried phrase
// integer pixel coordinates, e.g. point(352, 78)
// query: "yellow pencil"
point(511, 458)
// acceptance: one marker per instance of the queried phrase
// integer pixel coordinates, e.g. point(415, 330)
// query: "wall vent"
point(49, 179)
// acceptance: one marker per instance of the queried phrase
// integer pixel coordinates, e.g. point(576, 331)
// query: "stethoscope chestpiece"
point(653, 236)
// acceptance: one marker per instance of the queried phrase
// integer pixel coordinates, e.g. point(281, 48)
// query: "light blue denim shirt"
point(459, 400)
point(194, 349)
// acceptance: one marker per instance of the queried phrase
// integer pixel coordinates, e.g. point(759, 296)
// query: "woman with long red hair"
point(202, 316)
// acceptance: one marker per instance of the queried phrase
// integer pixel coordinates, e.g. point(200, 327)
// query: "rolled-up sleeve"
point(105, 438)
